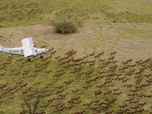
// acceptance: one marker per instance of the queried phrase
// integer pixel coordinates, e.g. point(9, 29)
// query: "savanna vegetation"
point(24, 12)
point(63, 84)
point(99, 82)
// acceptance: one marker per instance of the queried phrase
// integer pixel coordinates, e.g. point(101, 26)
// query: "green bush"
point(65, 27)
point(66, 23)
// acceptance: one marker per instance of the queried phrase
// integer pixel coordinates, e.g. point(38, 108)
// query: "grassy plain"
point(119, 25)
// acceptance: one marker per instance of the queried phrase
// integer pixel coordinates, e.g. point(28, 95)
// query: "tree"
point(31, 107)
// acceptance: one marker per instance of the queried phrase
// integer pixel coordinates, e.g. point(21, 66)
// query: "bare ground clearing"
point(92, 37)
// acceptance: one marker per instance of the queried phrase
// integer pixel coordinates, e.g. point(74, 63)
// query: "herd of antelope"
point(19, 11)
point(93, 84)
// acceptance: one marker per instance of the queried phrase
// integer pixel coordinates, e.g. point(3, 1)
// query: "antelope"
point(24, 85)
point(86, 87)
point(87, 104)
point(80, 111)
point(111, 58)
point(108, 92)
point(97, 56)
point(99, 86)
point(63, 95)
point(48, 71)
point(2, 73)
point(116, 89)
point(97, 92)
point(69, 107)
point(75, 91)
point(113, 53)
point(37, 83)
point(45, 105)
point(128, 85)
point(92, 54)
point(57, 57)
point(51, 100)
point(142, 104)
point(138, 62)
point(11, 97)
point(59, 87)
point(117, 93)
point(42, 112)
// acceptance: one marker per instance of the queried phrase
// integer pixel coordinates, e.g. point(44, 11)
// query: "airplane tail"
point(1, 48)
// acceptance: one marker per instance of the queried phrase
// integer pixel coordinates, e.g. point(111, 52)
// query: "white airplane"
point(26, 50)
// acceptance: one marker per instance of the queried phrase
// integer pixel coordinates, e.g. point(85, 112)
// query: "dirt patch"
point(85, 41)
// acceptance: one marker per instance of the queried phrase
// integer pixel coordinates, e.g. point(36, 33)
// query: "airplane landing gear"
point(29, 60)
point(10, 56)
point(41, 57)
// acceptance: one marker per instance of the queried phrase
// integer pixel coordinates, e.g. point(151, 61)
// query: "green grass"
point(132, 33)
point(17, 13)
point(9, 106)
point(104, 14)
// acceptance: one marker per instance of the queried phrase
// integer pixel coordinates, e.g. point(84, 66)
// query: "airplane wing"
point(18, 51)
point(27, 42)
point(29, 51)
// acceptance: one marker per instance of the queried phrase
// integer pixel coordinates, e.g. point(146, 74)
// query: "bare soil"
point(88, 39)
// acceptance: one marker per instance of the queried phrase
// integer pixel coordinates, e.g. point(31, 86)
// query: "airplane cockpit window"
point(21, 51)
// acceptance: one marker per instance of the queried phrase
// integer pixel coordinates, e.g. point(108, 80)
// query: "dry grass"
point(103, 85)
point(130, 37)
point(89, 38)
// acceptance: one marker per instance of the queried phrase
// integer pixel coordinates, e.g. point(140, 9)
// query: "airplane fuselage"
point(26, 50)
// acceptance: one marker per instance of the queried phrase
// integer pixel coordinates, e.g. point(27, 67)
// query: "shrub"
point(65, 27)
point(66, 23)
